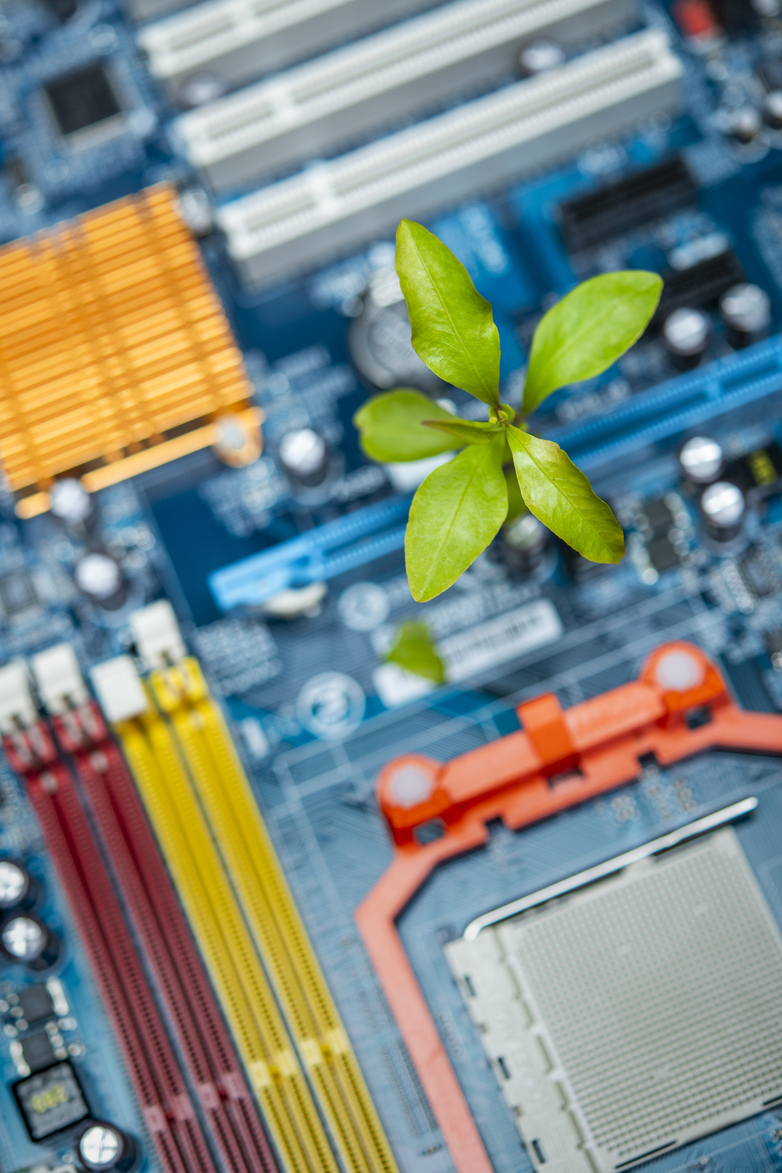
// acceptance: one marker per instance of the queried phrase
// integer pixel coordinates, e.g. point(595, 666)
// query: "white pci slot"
point(236, 41)
point(335, 206)
point(317, 106)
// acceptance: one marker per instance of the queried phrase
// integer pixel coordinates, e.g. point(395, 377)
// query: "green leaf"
point(588, 330)
point(390, 426)
point(452, 326)
point(455, 514)
point(562, 498)
point(414, 651)
point(466, 431)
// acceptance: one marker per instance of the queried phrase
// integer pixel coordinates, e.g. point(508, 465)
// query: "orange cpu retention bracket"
point(678, 707)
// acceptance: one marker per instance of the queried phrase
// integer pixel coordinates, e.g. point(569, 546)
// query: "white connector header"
point(157, 635)
point(320, 105)
point(119, 690)
point(235, 41)
point(58, 678)
point(17, 708)
point(298, 223)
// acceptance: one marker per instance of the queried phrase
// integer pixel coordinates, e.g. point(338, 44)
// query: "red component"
point(696, 19)
point(168, 1112)
point(678, 707)
point(160, 925)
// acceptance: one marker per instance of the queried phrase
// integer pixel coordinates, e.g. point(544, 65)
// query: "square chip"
point(36, 1002)
point(82, 99)
point(37, 1050)
point(636, 1014)
point(16, 593)
point(51, 1100)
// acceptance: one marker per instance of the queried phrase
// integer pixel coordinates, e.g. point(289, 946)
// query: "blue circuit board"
point(313, 719)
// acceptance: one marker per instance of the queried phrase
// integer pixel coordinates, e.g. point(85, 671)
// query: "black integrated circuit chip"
point(662, 555)
point(51, 1100)
point(36, 1003)
point(17, 593)
point(82, 99)
point(37, 1050)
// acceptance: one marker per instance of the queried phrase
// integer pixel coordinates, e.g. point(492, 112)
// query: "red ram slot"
point(168, 1111)
point(130, 844)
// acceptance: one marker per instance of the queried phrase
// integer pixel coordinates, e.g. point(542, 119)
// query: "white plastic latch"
point(157, 635)
point(59, 679)
point(17, 708)
point(119, 690)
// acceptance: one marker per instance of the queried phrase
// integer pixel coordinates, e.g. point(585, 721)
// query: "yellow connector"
point(249, 858)
point(247, 1001)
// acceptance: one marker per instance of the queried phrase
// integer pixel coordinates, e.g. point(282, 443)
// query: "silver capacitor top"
point(723, 507)
point(746, 311)
point(304, 456)
point(686, 335)
point(701, 460)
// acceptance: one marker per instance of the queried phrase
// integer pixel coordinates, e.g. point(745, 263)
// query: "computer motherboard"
point(269, 903)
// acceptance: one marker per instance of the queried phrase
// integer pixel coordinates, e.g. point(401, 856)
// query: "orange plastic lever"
point(679, 706)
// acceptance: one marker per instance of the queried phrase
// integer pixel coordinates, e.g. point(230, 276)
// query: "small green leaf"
point(452, 326)
point(414, 650)
point(588, 330)
point(562, 498)
point(466, 431)
point(390, 426)
point(455, 514)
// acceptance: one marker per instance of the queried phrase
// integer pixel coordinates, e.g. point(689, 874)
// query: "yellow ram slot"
point(250, 859)
point(237, 975)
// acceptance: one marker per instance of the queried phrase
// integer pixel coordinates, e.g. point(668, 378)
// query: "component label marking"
point(500, 639)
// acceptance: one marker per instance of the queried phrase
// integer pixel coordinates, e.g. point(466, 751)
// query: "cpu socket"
point(635, 1014)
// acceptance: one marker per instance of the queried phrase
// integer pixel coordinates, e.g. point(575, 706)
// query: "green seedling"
point(462, 504)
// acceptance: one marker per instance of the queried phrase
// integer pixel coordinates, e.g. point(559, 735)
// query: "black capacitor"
point(304, 455)
point(72, 505)
point(744, 124)
point(701, 460)
point(723, 507)
point(772, 109)
point(103, 1146)
point(685, 334)
point(379, 339)
point(26, 940)
point(18, 889)
point(523, 544)
point(100, 578)
point(746, 311)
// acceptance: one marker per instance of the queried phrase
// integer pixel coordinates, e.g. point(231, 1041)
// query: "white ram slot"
point(236, 41)
point(317, 107)
point(336, 206)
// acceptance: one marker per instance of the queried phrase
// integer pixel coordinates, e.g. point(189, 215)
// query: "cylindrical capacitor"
point(701, 460)
point(100, 578)
point(686, 335)
point(70, 502)
point(104, 1146)
point(723, 508)
point(25, 938)
point(305, 457)
point(744, 124)
point(746, 311)
point(523, 543)
point(772, 109)
point(18, 889)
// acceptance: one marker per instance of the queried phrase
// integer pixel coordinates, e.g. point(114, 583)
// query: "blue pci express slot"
point(651, 417)
point(676, 406)
point(323, 553)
